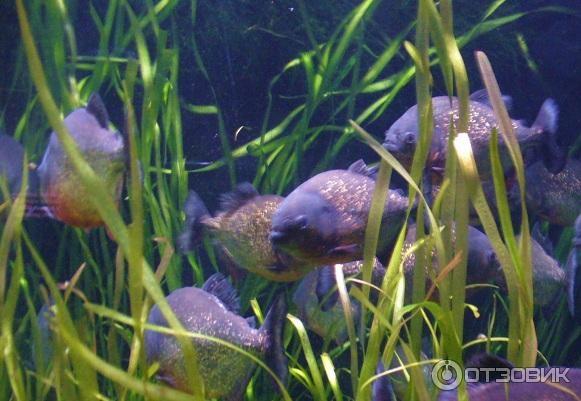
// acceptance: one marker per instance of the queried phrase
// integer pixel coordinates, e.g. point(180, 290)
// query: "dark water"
point(246, 43)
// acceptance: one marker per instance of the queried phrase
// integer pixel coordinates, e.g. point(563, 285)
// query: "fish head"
point(402, 137)
point(304, 226)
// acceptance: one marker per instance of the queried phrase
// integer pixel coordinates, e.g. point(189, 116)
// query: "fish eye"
point(300, 222)
point(409, 138)
point(492, 259)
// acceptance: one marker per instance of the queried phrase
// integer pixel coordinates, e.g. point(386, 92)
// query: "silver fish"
point(11, 163)
point(323, 220)
point(240, 230)
point(213, 311)
point(318, 304)
point(554, 197)
point(482, 266)
point(104, 150)
point(536, 142)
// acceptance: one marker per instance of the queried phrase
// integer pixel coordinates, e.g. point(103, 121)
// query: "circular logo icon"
point(446, 375)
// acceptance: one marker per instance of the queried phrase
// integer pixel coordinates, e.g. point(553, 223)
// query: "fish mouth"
point(391, 146)
point(279, 238)
point(282, 234)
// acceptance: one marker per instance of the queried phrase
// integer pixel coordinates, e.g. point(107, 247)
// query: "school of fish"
point(305, 236)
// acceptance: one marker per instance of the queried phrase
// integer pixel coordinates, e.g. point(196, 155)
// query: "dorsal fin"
point(96, 107)
point(219, 286)
point(243, 192)
point(481, 96)
point(359, 167)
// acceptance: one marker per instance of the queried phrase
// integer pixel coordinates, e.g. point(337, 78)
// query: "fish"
point(11, 164)
point(573, 268)
point(394, 386)
point(489, 192)
point(102, 148)
point(213, 310)
point(12, 158)
point(482, 266)
point(323, 220)
point(567, 388)
point(537, 142)
point(555, 198)
point(43, 356)
point(318, 304)
point(241, 229)
point(382, 389)
point(549, 278)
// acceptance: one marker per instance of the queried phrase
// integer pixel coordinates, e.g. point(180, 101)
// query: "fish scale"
point(224, 371)
point(554, 197)
point(536, 142)
point(103, 149)
point(240, 230)
point(323, 221)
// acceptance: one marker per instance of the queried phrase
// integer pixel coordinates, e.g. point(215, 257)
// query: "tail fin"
point(193, 232)
point(546, 122)
point(273, 325)
point(382, 389)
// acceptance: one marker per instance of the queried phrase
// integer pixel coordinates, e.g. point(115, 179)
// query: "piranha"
point(318, 304)
point(549, 279)
point(554, 197)
point(536, 142)
point(12, 157)
point(482, 265)
point(394, 386)
point(566, 388)
point(323, 220)
point(573, 268)
point(11, 164)
point(382, 389)
point(43, 356)
point(213, 310)
point(103, 149)
point(241, 231)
